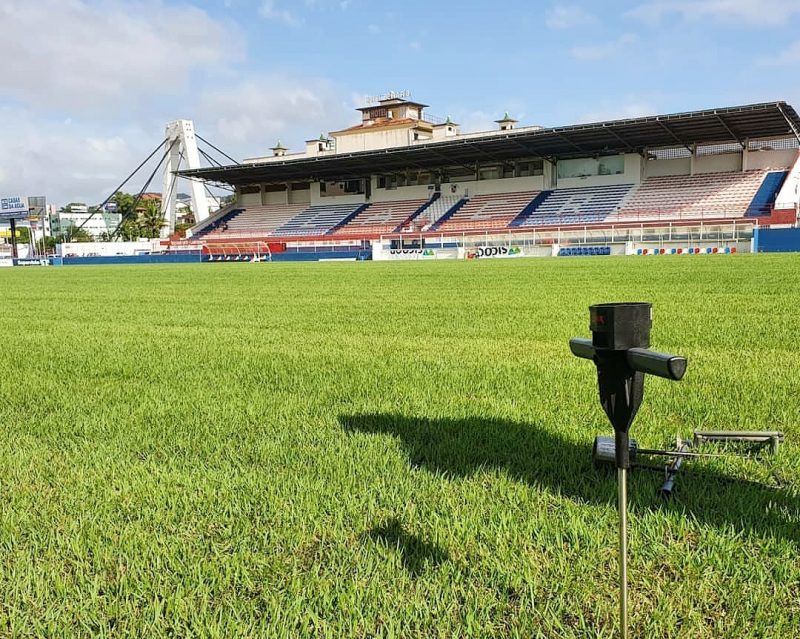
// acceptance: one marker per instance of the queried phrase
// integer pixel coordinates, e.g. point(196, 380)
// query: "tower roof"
point(506, 118)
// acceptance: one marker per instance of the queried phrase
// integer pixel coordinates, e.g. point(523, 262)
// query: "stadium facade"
point(402, 183)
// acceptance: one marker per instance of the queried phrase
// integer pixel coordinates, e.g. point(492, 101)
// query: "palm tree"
point(150, 219)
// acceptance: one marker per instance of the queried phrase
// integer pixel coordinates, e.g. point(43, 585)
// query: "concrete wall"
point(108, 248)
point(274, 197)
point(510, 185)
point(300, 197)
point(373, 139)
point(771, 159)
point(420, 192)
point(338, 199)
point(250, 199)
point(658, 168)
point(718, 163)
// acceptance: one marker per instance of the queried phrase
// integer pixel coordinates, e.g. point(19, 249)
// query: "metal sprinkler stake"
point(619, 349)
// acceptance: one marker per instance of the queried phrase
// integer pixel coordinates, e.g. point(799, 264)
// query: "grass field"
point(378, 449)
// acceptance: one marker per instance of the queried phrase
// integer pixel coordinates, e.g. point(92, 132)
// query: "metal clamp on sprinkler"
point(619, 349)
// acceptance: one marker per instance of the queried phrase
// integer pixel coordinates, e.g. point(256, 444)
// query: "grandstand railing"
point(634, 217)
point(692, 231)
point(717, 229)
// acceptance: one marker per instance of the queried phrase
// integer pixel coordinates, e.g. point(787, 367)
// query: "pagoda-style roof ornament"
point(506, 118)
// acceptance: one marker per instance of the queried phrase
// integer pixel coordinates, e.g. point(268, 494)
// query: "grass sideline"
point(384, 449)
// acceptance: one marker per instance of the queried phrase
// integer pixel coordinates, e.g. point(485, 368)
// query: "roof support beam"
point(663, 125)
point(570, 142)
point(789, 122)
point(730, 131)
point(549, 158)
point(506, 163)
point(620, 138)
point(450, 161)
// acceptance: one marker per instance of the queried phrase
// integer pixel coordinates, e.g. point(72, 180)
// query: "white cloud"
point(84, 161)
point(276, 9)
point(67, 162)
point(271, 11)
point(604, 50)
point(100, 58)
point(751, 12)
point(248, 118)
point(563, 16)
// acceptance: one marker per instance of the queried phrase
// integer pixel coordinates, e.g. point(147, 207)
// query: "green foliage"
point(75, 234)
point(23, 234)
point(46, 244)
point(129, 228)
point(150, 219)
point(181, 228)
point(387, 450)
point(125, 203)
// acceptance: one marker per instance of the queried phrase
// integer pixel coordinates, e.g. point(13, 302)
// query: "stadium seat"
point(493, 211)
point(704, 195)
point(319, 219)
point(380, 217)
point(585, 205)
point(250, 221)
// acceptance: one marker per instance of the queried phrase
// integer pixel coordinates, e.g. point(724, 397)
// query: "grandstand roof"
point(754, 121)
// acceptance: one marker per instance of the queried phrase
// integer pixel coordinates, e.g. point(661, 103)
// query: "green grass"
point(378, 449)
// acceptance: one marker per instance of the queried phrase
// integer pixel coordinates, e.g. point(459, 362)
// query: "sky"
point(89, 85)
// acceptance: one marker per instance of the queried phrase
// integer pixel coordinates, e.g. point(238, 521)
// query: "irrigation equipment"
point(620, 351)
point(604, 451)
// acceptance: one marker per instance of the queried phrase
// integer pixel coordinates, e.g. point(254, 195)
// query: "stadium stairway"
point(380, 217)
point(348, 219)
point(529, 209)
point(487, 211)
point(317, 220)
point(444, 209)
point(407, 222)
point(222, 216)
point(252, 221)
point(765, 196)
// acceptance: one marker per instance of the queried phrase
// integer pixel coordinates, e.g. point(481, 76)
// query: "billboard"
point(13, 206)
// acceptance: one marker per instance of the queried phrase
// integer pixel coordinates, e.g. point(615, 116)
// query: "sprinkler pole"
point(622, 506)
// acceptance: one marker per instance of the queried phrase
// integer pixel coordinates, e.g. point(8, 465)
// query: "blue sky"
point(88, 96)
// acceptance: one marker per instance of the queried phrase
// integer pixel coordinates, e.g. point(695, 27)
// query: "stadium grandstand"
point(401, 183)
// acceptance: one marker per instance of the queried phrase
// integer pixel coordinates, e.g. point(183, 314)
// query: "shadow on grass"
point(416, 554)
point(462, 447)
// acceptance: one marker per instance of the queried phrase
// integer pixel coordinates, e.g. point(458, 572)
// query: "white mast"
point(181, 140)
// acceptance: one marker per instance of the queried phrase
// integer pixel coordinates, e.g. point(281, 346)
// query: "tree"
point(46, 244)
point(181, 228)
point(23, 235)
point(150, 219)
point(74, 234)
point(124, 202)
point(129, 230)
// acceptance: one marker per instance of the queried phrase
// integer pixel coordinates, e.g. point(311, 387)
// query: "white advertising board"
point(13, 206)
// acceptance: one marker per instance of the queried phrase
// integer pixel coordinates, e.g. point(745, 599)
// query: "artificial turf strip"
point(384, 449)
